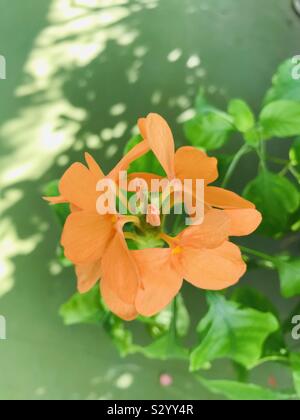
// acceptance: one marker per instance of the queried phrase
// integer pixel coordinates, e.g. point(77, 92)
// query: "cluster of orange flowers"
point(134, 282)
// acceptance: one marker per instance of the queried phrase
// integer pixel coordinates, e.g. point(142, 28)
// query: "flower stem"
point(243, 151)
point(258, 254)
point(173, 326)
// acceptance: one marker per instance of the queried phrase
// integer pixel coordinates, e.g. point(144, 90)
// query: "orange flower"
point(145, 281)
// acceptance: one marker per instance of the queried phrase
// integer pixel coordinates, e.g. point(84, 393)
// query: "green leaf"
point(166, 347)
point(289, 273)
point(284, 85)
point(253, 136)
point(295, 362)
point(228, 331)
point(146, 163)
point(295, 153)
point(276, 197)
point(210, 130)
point(119, 334)
point(252, 298)
point(242, 115)
point(160, 324)
point(86, 308)
point(61, 211)
point(281, 119)
point(243, 392)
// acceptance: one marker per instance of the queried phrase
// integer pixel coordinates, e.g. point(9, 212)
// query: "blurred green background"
point(79, 74)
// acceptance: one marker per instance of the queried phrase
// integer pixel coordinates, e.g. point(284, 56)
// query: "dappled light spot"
point(93, 142)
point(193, 62)
point(156, 97)
point(111, 151)
point(120, 129)
point(175, 55)
point(63, 160)
point(118, 109)
point(78, 146)
point(12, 246)
point(55, 268)
point(107, 134)
point(125, 381)
point(140, 51)
point(186, 116)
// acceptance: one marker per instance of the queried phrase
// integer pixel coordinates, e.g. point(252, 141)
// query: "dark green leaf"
point(83, 308)
point(242, 115)
point(284, 85)
point(228, 331)
point(276, 197)
point(209, 131)
point(281, 119)
point(238, 391)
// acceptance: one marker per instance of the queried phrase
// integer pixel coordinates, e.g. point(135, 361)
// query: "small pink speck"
point(166, 379)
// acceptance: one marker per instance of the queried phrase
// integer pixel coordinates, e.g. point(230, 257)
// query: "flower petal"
point(85, 236)
point(123, 310)
point(213, 269)
point(243, 222)
point(88, 275)
point(161, 142)
point(191, 163)
point(119, 274)
point(94, 167)
point(78, 186)
point(160, 282)
point(137, 151)
point(224, 199)
point(211, 234)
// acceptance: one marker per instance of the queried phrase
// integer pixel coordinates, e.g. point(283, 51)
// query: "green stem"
point(294, 173)
point(173, 326)
point(258, 254)
point(243, 151)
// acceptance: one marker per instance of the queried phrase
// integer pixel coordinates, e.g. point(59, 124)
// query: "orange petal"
point(88, 275)
point(123, 310)
point(56, 200)
point(243, 222)
point(211, 234)
point(137, 151)
point(161, 142)
point(224, 199)
point(191, 163)
point(120, 279)
point(94, 167)
point(147, 177)
point(160, 282)
point(85, 236)
point(78, 186)
point(142, 127)
point(213, 269)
